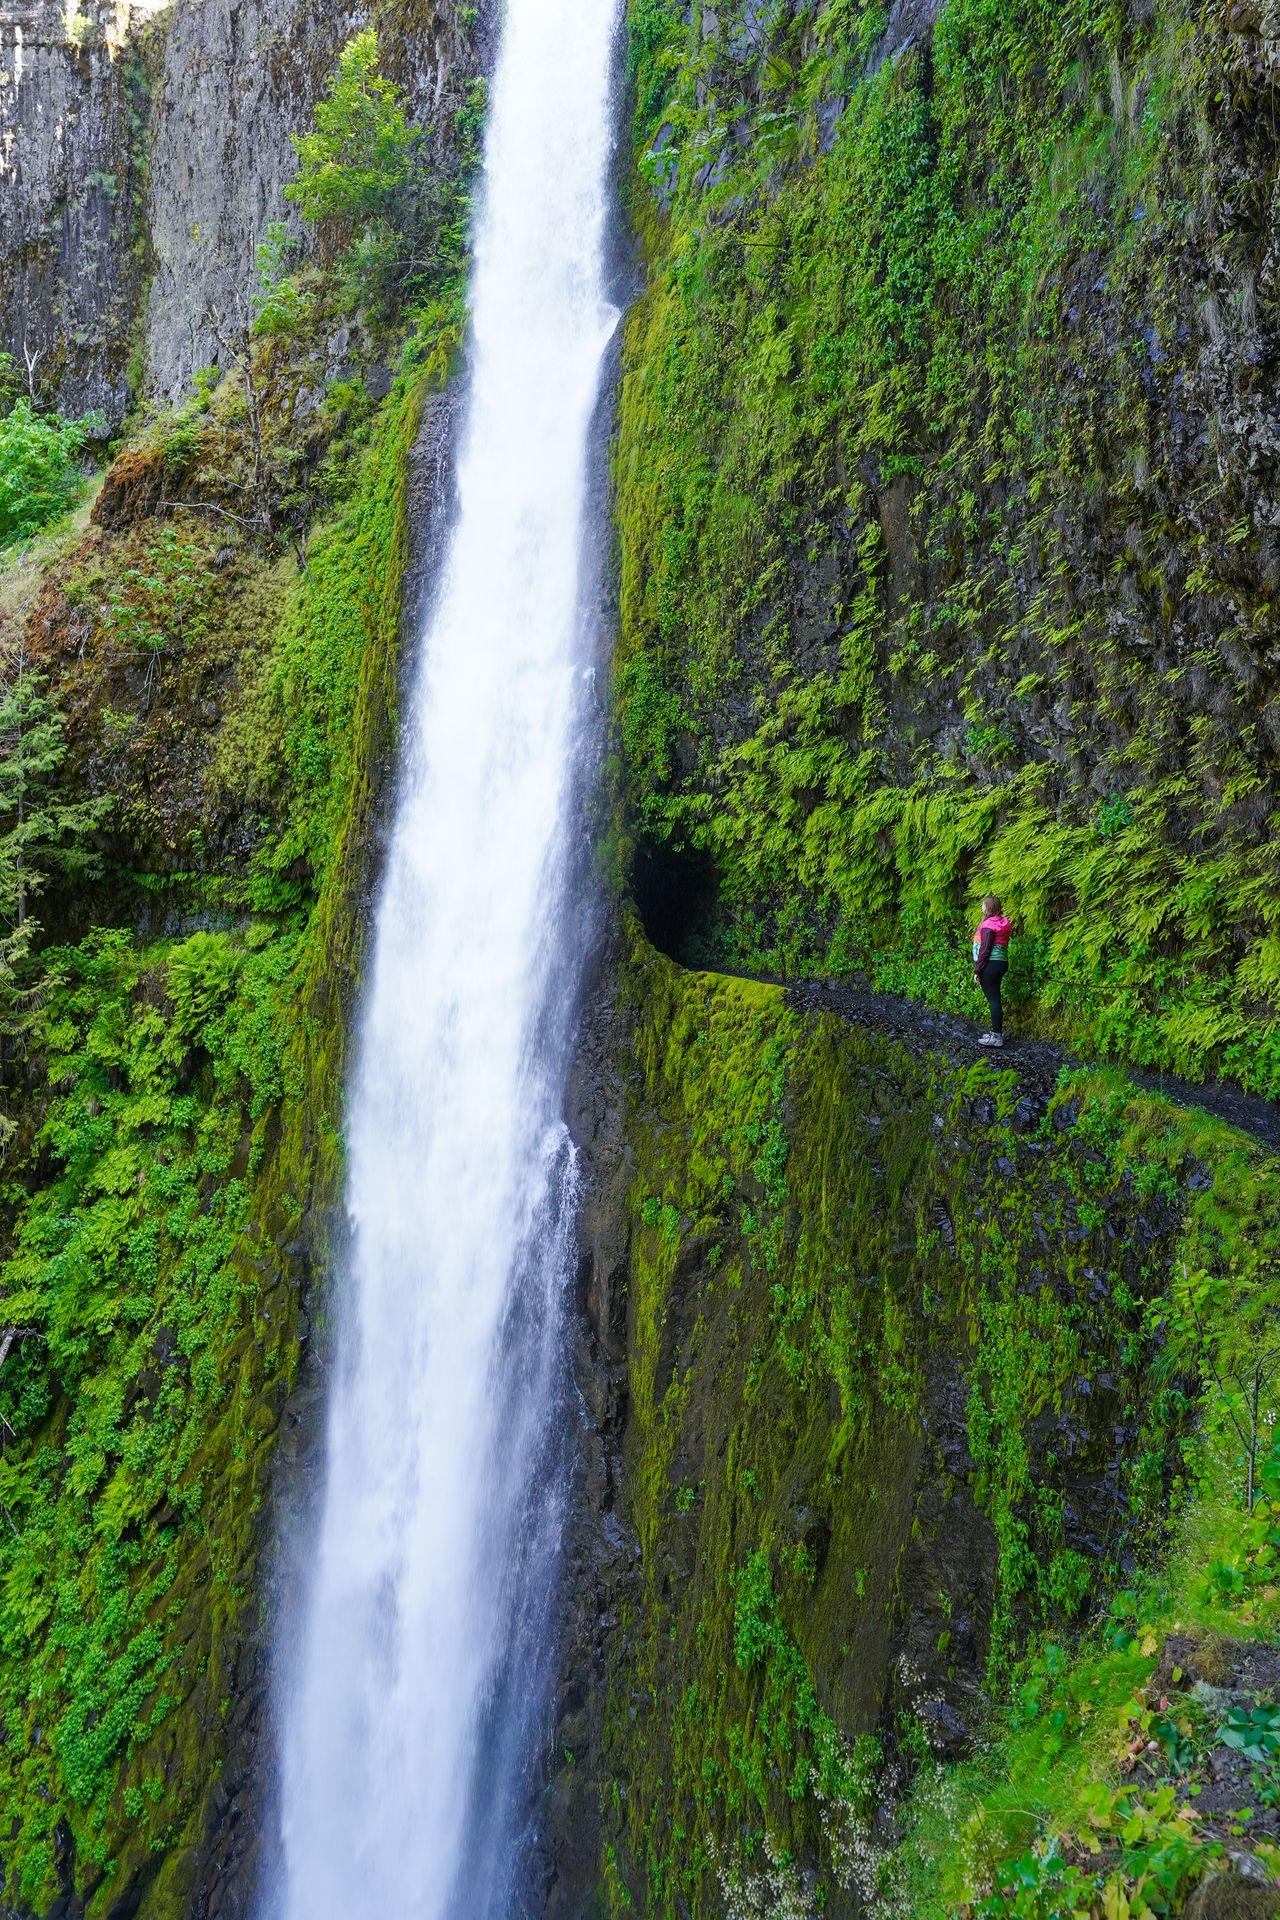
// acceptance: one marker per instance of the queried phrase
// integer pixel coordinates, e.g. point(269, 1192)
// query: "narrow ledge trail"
point(1037, 1063)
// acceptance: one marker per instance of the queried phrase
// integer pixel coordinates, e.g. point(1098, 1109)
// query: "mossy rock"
point(1230, 1896)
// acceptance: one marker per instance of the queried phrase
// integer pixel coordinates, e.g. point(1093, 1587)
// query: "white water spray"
point(412, 1721)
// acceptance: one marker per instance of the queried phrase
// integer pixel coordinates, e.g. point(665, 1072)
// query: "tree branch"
point(207, 506)
point(9, 1334)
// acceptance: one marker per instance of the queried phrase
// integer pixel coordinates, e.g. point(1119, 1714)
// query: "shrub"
point(39, 473)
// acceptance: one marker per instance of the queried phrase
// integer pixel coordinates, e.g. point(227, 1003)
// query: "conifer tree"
point(361, 149)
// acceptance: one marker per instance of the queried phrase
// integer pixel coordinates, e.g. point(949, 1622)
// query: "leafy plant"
point(987, 740)
point(39, 469)
point(1114, 816)
point(360, 149)
point(1254, 1732)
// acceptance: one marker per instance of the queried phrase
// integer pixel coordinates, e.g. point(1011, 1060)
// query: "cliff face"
point(948, 504)
point(72, 249)
point(915, 1392)
point(144, 149)
point(946, 489)
point(237, 80)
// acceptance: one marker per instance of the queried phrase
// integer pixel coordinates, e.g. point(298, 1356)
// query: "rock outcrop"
point(142, 157)
point(72, 101)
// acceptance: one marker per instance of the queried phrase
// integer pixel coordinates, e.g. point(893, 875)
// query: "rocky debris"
point(1257, 24)
point(1222, 1664)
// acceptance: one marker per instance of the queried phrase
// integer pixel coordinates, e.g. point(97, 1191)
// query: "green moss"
point(926, 1359)
point(913, 605)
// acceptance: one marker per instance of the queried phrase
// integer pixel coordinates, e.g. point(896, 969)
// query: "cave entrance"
point(677, 895)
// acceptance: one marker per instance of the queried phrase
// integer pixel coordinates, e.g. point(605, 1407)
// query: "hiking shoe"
point(991, 1040)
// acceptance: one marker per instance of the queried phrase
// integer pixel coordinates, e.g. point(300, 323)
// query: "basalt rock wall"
point(72, 249)
point(949, 496)
point(143, 154)
point(237, 81)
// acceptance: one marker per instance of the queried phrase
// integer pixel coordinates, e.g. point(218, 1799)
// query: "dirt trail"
point(1037, 1062)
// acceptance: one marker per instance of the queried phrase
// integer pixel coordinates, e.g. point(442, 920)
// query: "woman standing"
point(990, 964)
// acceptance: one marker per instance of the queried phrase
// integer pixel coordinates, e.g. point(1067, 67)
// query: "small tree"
point(361, 148)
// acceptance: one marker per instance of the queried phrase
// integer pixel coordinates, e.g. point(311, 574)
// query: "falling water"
point(412, 1722)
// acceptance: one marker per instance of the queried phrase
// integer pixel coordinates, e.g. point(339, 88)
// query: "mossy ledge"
point(902, 1392)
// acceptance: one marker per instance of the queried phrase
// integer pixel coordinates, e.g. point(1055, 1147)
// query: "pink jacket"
point(991, 936)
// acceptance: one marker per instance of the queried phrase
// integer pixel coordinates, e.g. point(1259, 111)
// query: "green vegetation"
point(914, 600)
point(1095, 1796)
point(39, 469)
point(925, 591)
point(177, 1110)
point(378, 191)
point(838, 1250)
point(361, 147)
point(1085, 1794)
point(137, 1343)
point(44, 835)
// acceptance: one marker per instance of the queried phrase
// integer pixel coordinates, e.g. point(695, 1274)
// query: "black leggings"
point(991, 980)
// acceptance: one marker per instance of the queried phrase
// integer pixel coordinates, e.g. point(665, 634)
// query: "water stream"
point(416, 1705)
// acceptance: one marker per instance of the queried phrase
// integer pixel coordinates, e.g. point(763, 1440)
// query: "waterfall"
point(417, 1698)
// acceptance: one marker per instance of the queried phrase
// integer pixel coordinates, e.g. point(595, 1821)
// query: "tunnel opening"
point(677, 895)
